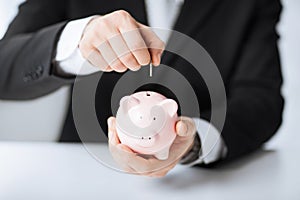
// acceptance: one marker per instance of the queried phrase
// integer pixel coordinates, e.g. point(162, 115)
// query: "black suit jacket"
point(239, 35)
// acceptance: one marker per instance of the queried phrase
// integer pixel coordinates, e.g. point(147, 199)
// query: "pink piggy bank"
point(145, 122)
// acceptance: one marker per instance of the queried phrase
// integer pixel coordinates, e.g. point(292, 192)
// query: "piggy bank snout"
point(146, 141)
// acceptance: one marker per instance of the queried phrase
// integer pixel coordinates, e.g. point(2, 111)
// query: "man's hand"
point(117, 42)
point(132, 162)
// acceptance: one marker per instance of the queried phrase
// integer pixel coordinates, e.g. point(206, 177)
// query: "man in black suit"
point(239, 35)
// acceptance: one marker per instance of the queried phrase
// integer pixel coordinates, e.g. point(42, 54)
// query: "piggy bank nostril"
point(149, 138)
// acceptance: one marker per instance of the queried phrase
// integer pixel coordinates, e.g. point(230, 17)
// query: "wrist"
point(68, 61)
point(194, 152)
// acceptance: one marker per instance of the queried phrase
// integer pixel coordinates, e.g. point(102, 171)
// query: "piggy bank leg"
point(163, 154)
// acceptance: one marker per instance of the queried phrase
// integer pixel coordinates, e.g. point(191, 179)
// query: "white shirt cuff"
point(68, 56)
point(213, 147)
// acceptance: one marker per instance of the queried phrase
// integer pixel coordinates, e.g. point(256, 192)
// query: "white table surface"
point(67, 171)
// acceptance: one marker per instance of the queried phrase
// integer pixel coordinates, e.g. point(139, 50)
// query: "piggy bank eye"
point(148, 95)
point(154, 118)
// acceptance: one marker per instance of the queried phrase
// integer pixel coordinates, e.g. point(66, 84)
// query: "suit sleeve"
point(28, 48)
point(255, 104)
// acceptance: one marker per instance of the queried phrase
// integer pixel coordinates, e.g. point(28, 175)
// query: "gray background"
point(31, 120)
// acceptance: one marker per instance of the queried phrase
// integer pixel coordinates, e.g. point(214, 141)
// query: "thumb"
point(112, 133)
point(185, 127)
point(181, 128)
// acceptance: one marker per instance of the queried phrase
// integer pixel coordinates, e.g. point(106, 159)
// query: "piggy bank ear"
point(128, 102)
point(170, 106)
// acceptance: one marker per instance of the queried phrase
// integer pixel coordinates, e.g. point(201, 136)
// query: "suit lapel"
point(192, 16)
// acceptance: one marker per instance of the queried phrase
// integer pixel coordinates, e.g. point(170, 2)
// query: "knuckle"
point(84, 50)
point(102, 22)
point(138, 45)
point(161, 44)
point(83, 42)
point(92, 27)
point(122, 13)
point(93, 32)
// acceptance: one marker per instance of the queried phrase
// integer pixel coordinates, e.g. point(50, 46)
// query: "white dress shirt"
point(161, 14)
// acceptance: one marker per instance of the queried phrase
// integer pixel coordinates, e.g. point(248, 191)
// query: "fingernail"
point(109, 135)
point(159, 58)
point(156, 62)
point(109, 122)
point(182, 128)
